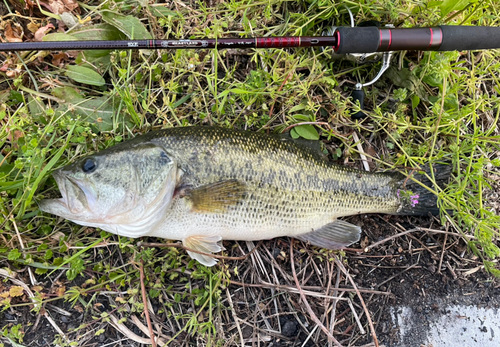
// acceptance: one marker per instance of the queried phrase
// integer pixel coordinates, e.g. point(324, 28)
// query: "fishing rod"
point(358, 43)
point(345, 40)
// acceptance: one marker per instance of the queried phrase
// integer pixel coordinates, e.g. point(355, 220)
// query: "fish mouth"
point(74, 197)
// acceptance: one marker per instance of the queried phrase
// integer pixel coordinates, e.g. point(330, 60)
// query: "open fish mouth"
point(74, 197)
point(61, 184)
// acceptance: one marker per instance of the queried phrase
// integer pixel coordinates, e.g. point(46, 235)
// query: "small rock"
point(289, 329)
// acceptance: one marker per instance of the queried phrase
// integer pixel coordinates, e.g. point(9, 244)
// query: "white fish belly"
point(240, 224)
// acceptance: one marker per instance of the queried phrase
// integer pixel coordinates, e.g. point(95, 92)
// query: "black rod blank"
point(345, 40)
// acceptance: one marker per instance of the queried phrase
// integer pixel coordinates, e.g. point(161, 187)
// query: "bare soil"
point(423, 270)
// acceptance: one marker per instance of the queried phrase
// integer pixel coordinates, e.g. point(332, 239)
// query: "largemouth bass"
point(202, 185)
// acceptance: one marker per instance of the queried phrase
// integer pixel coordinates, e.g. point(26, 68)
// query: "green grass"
point(429, 107)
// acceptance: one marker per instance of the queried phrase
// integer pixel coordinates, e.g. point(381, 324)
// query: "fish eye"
point(89, 165)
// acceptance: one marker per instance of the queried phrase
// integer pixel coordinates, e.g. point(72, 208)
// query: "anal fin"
point(205, 244)
point(336, 235)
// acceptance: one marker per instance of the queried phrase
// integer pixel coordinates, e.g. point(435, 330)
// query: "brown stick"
point(306, 304)
point(285, 288)
point(370, 323)
point(390, 238)
point(442, 253)
point(279, 90)
point(410, 231)
point(145, 301)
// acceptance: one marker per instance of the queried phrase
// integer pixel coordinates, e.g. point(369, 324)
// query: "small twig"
point(433, 255)
point(356, 318)
point(334, 306)
point(451, 270)
point(5, 158)
point(361, 151)
point(370, 323)
point(235, 317)
point(396, 275)
point(309, 336)
point(32, 277)
point(126, 331)
point(306, 304)
point(145, 301)
point(178, 245)
point(447, 233)
point(390, 238)
point(145, 330)
point(279, 90)
point(315, 294)
point(410, 231)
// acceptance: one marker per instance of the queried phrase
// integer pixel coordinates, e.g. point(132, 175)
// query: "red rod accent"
point(432, 38)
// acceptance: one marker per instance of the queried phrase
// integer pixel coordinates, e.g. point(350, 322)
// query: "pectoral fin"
point(216, 197)
point(336, 235)
point(205, 244)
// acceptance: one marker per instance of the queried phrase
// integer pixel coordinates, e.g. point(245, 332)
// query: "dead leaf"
point(29, 4)
point(13, 34)
point(13, 73)
point(61, 6)
point(364, 243)
point(14, 136)
point(40, 33)
point(60, 291)
point(37, 289)
point(57, 236)
point(90, 281)
point(5, 66)
point(58, 58)
point(70, 4)
point(79, 308)
point(16, 291)
point(5, 302)
point(33, 27)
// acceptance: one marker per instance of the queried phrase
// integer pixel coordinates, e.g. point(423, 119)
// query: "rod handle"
point(467, 38)
point(359, 95)
point(443, 38)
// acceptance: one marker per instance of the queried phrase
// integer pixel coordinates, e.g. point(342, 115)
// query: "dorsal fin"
point(310, 146)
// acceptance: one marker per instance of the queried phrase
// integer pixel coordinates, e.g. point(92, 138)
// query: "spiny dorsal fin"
point(336, 235)
point(216, 197)
point(313, 147)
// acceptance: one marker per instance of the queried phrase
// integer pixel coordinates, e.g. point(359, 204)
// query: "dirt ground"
point(262, 305)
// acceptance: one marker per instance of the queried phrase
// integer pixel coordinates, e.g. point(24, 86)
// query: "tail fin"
point(417, 200)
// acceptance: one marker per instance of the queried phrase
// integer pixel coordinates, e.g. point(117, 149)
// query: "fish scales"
point(291, 189)
point(204, 184)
